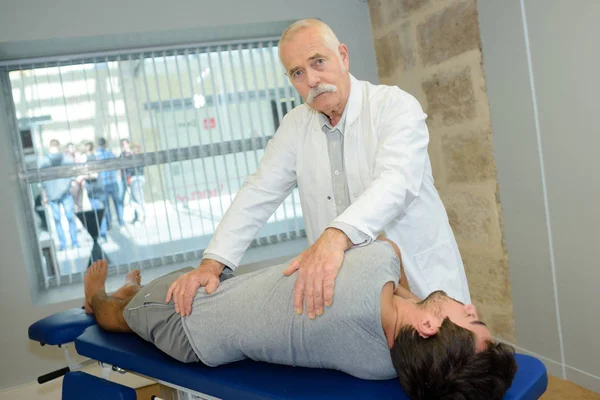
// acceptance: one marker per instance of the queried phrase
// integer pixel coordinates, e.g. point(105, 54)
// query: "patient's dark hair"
point(446, 365)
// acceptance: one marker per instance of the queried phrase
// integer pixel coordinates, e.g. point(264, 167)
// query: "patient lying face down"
point(375, 329)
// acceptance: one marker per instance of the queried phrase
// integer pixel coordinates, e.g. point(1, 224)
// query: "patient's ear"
point(427, 326)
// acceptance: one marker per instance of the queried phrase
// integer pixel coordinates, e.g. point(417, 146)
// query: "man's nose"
point(471, 309)
point(313, 79)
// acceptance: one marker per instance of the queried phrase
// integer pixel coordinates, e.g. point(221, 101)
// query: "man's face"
point(314, 66)
point(462, 315)
point(53, 148)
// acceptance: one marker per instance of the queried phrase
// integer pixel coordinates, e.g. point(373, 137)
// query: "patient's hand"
point(183, 290)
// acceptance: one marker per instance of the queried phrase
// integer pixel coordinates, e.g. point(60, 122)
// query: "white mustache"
point(322, 88)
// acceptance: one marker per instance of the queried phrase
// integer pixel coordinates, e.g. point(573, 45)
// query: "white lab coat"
point(389, 179)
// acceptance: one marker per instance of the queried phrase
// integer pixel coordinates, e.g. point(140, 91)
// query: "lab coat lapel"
point(352, 139)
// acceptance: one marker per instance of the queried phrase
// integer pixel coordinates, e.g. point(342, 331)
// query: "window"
point(137, 155)
point(279, 107)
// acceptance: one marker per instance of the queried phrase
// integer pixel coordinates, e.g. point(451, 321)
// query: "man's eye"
point(319, 61)
point(297, 74)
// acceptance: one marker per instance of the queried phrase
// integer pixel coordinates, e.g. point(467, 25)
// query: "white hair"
point(326, 33)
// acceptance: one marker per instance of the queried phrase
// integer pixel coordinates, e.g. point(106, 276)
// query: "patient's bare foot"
point(134, 277)
point(94, 281)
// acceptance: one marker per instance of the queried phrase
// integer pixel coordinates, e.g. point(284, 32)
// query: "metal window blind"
point(198, 117)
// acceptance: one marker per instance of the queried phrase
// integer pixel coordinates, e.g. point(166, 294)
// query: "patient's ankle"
point(126, 292)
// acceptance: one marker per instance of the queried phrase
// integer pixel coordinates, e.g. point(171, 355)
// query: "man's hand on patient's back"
point(317, 268)
point(183, 290)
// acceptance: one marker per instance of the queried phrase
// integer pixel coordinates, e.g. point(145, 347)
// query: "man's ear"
point(345, 58)
point(427, 326)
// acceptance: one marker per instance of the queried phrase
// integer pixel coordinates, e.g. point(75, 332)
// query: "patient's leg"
point(108, 310)
point(133, 283)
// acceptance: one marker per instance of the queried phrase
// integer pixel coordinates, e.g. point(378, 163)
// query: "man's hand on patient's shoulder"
point(317, 268)
point(183, 290)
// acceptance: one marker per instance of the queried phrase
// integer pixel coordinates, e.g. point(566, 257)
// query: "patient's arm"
point(402, 288)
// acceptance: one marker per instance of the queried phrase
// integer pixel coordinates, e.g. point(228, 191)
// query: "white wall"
point(116, 23)
point(66, 26)
point(548, 173)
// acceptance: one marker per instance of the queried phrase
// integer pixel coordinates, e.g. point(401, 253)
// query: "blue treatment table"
point(241, 380)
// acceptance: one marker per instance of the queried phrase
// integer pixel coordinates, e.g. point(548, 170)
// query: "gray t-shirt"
point(252, 316)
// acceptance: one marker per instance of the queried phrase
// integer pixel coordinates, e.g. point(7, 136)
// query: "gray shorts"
point(156, 321)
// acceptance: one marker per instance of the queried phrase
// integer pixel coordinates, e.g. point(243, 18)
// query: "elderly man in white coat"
point(358, 153)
